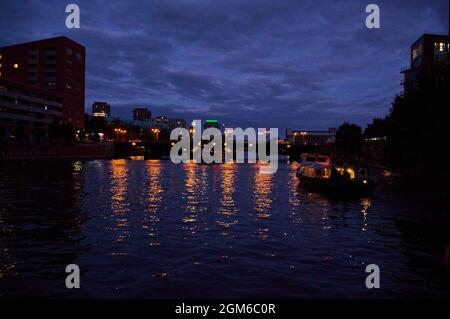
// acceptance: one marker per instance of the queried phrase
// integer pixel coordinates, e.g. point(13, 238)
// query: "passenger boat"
point(317, 173)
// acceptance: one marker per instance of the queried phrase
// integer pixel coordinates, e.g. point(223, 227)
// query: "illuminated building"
point(311, 137)
point(429, 61)
point(55, 64)
point(174, 123)
point(101, 109)
point(212, 123)
point(161, 122)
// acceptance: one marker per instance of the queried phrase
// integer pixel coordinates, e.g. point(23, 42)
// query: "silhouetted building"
point(311, 137)
point(429, 61)
point(174, 123)
point(55, 64)
point(212, 123)
point(101, 109)
point(141, 114)
point(27, 110)
point(161, 122)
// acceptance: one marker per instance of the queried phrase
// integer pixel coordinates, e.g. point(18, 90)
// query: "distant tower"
point(141, 114)
point(101, 109)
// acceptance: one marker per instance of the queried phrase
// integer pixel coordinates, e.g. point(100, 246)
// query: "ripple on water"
point(155, 229)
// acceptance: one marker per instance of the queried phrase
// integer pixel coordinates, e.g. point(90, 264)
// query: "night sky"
point(301, 64)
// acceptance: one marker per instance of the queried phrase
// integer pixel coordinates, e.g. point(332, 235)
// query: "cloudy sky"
point(308, 64)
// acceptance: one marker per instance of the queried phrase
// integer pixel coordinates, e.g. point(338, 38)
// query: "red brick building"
point(27, 110)
point(55, 64)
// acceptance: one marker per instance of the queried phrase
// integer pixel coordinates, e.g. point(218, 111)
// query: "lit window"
point(441, 46)
point(0, 56)
point(0, 65)
point(16, 66)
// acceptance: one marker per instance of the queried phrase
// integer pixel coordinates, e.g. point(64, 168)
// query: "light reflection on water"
point(155, 229)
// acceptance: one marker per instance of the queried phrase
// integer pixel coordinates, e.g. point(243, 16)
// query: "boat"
point(318, 174)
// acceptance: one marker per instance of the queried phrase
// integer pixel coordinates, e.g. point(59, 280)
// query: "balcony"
point(19, 96)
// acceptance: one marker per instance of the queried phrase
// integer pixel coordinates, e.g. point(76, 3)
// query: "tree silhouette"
point(349, 139)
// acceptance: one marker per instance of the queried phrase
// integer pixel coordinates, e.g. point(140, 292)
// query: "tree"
point(68, 132)
point(379, 128)
point(349, 139)
point(61, 132)
point(416, 131)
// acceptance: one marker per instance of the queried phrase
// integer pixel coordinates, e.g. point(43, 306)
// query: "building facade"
point(161, 122)
point(27, 110)
point(101, 109)
point(175, 123)
point(212, 124)
point(305, 137)
point(142, 114)
point(428, 61)
point(56, 65)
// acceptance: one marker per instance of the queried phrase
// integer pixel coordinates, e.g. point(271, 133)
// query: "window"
point(15, 65)
point(69, 51)
point(79, 56)
point(50, 53)
point(32, 60)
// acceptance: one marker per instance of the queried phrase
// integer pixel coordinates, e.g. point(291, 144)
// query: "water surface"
point(153, 229)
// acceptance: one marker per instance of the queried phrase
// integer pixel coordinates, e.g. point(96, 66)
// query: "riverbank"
point(62, 151)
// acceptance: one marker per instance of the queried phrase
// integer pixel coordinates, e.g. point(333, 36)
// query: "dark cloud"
point(309, 64)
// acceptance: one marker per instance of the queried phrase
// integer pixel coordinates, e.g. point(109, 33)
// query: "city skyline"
point(301, 65)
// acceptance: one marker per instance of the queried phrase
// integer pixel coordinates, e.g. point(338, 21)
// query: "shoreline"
point(56, 152)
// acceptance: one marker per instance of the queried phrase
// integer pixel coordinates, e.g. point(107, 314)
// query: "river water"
point(153, 229)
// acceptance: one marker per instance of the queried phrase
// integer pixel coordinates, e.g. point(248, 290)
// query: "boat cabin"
point(314, 158)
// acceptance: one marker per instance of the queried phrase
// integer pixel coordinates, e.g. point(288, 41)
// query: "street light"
point(155, 132)
point(119, 131)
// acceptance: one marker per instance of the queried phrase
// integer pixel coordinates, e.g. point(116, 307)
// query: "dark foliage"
point(349, 139)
